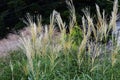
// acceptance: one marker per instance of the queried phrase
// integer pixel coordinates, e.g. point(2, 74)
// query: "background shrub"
point(12, 10)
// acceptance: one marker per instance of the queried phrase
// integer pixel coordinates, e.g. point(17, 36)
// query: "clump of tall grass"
point(72, 55)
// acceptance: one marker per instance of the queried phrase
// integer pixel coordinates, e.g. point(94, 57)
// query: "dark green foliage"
point(12, 10)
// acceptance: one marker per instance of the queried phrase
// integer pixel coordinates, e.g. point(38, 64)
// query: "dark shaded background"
point(12, 10)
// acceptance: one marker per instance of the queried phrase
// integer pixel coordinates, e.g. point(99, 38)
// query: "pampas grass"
point(71, 56)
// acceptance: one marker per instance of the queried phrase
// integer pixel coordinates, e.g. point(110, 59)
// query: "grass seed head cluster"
point(72, 55)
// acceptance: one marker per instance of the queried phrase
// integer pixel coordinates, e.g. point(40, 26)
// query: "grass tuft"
point(67, 56)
